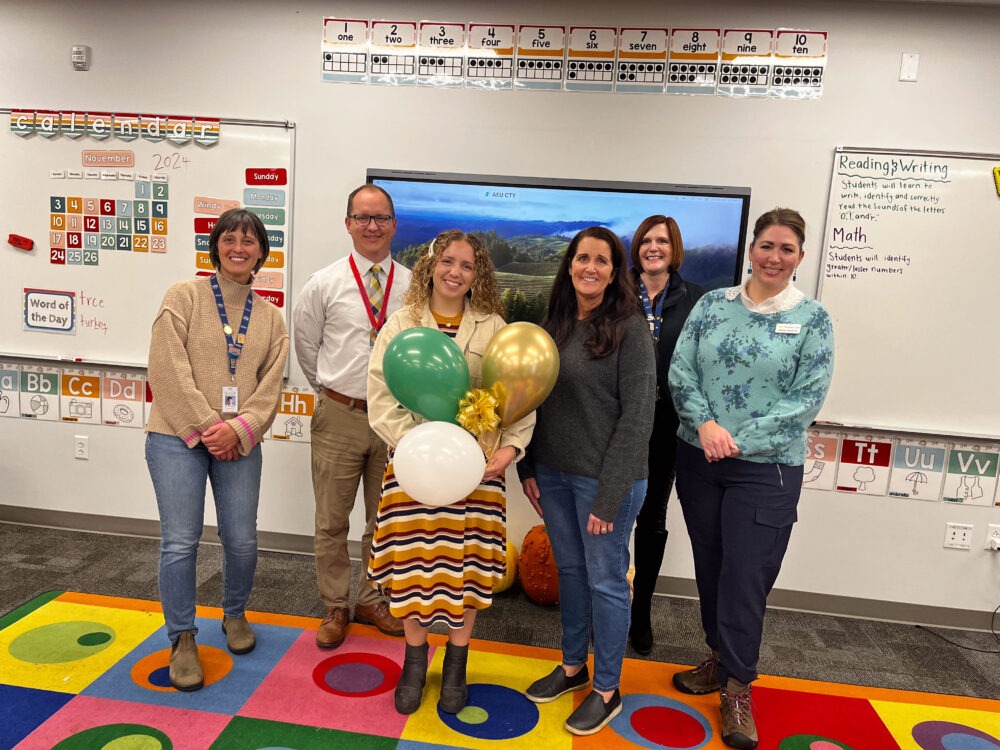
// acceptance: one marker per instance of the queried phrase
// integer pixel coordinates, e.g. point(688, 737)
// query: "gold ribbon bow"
point(477, 412)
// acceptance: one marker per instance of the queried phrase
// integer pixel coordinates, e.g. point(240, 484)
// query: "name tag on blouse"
point(792, 328)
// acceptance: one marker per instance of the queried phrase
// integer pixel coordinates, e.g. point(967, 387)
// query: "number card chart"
point(642, 61)
point(119, 207)
point(694, 61)
point(442, 54)
point(799, 62)
point(590, 64)
point(540, 53)
point(490, 56)
point(394, 52)
point(345, 50)
point(746, 62)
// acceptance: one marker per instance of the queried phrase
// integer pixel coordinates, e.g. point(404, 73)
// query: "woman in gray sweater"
point(585, 470)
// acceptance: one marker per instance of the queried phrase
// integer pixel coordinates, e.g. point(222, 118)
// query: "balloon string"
point(489, 441)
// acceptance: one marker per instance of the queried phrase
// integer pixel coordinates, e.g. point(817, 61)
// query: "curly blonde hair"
point(484, 295)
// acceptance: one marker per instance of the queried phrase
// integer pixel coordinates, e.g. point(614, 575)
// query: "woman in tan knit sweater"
point(216, 363)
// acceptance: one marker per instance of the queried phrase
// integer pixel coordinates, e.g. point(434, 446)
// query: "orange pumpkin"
point(510, 573)
point(537, 568)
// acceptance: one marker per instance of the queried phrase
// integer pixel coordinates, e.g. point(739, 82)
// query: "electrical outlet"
point(81, 447)
point(958, 535)
point(993, 537)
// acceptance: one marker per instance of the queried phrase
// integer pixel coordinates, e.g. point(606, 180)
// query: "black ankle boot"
point(454, 690)
point(649, 549)
point(410, 688)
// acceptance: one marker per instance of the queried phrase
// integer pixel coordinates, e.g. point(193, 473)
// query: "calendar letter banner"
point(295, 410)
point(80, 396)
point(820, 468)
point(918, 468)
point(864, 464)
point(972, 474)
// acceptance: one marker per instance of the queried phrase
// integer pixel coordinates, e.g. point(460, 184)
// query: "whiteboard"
point(92, 297)
point(910, 277)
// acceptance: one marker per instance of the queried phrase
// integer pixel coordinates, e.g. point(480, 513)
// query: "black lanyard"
point(235, 345)
point(653, 317)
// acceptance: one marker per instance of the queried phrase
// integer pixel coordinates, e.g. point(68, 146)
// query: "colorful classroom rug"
point(86, 672)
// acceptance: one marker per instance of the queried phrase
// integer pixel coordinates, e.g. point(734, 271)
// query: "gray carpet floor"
point(36, 560)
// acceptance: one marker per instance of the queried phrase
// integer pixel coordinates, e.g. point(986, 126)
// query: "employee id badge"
point(230, 399)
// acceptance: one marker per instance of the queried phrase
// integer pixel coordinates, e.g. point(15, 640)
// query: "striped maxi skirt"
point(433, 563)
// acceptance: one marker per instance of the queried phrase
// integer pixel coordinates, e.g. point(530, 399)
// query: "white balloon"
point(438, 463)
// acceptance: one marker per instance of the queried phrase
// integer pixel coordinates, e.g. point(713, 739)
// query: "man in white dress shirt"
point(336, 318)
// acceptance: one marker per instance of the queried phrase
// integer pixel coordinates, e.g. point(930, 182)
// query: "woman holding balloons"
point(437, 563)
point(587, 467)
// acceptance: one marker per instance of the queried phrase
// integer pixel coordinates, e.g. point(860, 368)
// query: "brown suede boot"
point(185, 666)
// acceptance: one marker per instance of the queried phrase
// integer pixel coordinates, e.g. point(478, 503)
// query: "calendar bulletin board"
point(117, 207)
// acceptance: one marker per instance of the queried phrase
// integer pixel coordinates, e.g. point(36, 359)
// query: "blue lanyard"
point(653, 317)
point(235, 345)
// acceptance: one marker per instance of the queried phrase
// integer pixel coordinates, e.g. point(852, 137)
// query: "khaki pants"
point(345, 452)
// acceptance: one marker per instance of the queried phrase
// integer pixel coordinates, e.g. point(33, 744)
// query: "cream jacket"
point(391, 420)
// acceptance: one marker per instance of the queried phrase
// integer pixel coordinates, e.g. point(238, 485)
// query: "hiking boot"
point(333, 630)
point(378, 615)
point(185, 666)
point(702, 679)
point(410, 688)
point(454, 690)
point(239, 636)
point(738, 727)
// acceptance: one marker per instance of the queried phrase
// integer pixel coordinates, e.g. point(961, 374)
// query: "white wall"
point(261, 60)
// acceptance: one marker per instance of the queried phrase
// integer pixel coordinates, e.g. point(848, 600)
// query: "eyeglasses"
point(364, 220)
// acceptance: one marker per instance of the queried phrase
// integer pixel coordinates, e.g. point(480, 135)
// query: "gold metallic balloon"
point(520, 366)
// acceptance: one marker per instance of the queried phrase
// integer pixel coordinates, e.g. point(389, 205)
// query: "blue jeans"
point(179, 474)
point(593, 589)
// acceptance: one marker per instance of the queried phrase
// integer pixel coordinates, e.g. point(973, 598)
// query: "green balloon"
point(427, 373)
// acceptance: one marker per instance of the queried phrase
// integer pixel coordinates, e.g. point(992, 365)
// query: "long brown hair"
point(606, 324)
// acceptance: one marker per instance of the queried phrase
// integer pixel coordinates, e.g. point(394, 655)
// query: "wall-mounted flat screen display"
point(527, 222)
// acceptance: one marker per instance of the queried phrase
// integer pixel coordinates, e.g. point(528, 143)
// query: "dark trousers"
point(651, 524)
point(739, 515)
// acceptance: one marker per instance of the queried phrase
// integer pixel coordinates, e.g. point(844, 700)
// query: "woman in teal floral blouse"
point(749, 374)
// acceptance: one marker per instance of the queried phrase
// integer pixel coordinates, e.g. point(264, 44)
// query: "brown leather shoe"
point(334, 628)
point(378, 615)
